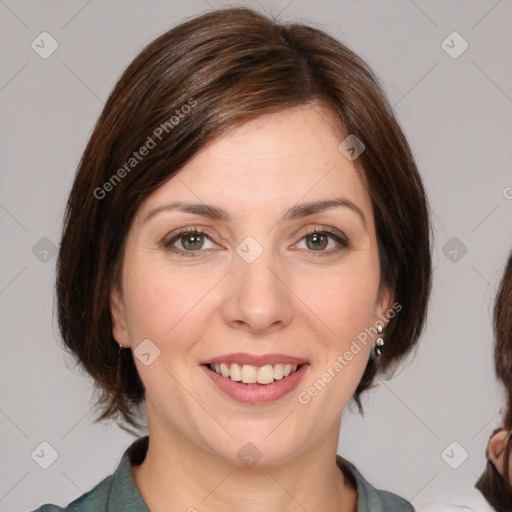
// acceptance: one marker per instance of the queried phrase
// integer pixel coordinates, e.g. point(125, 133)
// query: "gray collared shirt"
point(118, 492)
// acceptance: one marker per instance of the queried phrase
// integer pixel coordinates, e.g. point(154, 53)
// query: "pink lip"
point(256, 393)
point(244, 358)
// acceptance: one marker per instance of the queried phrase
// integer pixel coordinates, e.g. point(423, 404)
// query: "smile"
point(255, 385)
point(250, 374)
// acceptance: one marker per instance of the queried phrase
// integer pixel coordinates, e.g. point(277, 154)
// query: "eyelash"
point(330, 232)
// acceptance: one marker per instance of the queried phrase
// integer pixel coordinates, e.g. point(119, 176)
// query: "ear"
point(118, 315)
point(384, 305)
point(496, 449)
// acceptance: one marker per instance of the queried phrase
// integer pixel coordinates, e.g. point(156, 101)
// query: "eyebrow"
point(296, 212)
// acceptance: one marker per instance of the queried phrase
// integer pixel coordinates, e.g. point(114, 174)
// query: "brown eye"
point(318, 241)
point(187, 241)
point(191, 241)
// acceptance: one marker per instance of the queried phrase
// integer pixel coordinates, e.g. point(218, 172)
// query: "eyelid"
point(341, 240)
point(166, 242)
point(324, 229)
point(339, 237)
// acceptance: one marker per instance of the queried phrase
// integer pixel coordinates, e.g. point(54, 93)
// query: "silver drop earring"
point(379, 342)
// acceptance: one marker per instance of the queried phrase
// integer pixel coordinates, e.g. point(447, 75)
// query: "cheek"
point(164, 304)
point(149, 309)
point(344, 302)
point(341, 317)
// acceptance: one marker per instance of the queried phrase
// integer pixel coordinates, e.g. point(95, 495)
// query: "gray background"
point(457, 114)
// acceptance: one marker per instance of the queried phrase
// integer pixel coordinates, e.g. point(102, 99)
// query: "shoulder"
point(115, 493)
point(372, 499)
point(394, 503)
point(96, 499)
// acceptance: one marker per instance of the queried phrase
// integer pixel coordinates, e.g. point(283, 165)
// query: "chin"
point(252, 451)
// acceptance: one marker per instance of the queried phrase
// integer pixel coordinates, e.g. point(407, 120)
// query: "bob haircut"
point(189, 86)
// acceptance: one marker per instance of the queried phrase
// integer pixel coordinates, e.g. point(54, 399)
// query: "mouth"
point(255, 385)
point(250, 374)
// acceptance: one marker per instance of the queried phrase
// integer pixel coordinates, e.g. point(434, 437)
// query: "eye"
point(318, 240)
point(190, 239)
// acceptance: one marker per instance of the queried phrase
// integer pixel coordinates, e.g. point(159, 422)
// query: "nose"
point(259, 298)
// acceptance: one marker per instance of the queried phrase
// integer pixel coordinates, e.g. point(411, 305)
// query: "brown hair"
point(228, 66)
point(495, 487)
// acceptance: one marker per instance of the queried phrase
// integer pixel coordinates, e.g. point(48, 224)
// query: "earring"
point(379, 342)
point(118, 368)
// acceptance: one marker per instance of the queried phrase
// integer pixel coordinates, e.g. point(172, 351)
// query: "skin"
point(496, 451)
point(289, 300)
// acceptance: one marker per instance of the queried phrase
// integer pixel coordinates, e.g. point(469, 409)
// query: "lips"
point(242, 358)
point(254, 379)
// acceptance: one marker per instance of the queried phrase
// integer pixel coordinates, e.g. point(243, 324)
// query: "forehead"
point(276, 159)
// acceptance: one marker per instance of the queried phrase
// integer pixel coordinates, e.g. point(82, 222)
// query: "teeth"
point(278, 371)
point(235, 372)
point(224, 369)
point(250, 374)
point(265, 374)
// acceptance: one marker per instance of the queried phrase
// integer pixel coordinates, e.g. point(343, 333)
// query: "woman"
point(246, 246)
point(493, 490)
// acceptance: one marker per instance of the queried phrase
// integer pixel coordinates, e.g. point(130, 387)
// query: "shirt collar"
point(126, 497)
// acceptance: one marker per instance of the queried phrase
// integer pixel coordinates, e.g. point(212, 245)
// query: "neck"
point(177, 475)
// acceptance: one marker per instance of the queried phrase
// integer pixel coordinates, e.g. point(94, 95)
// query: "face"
point(267, 286)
